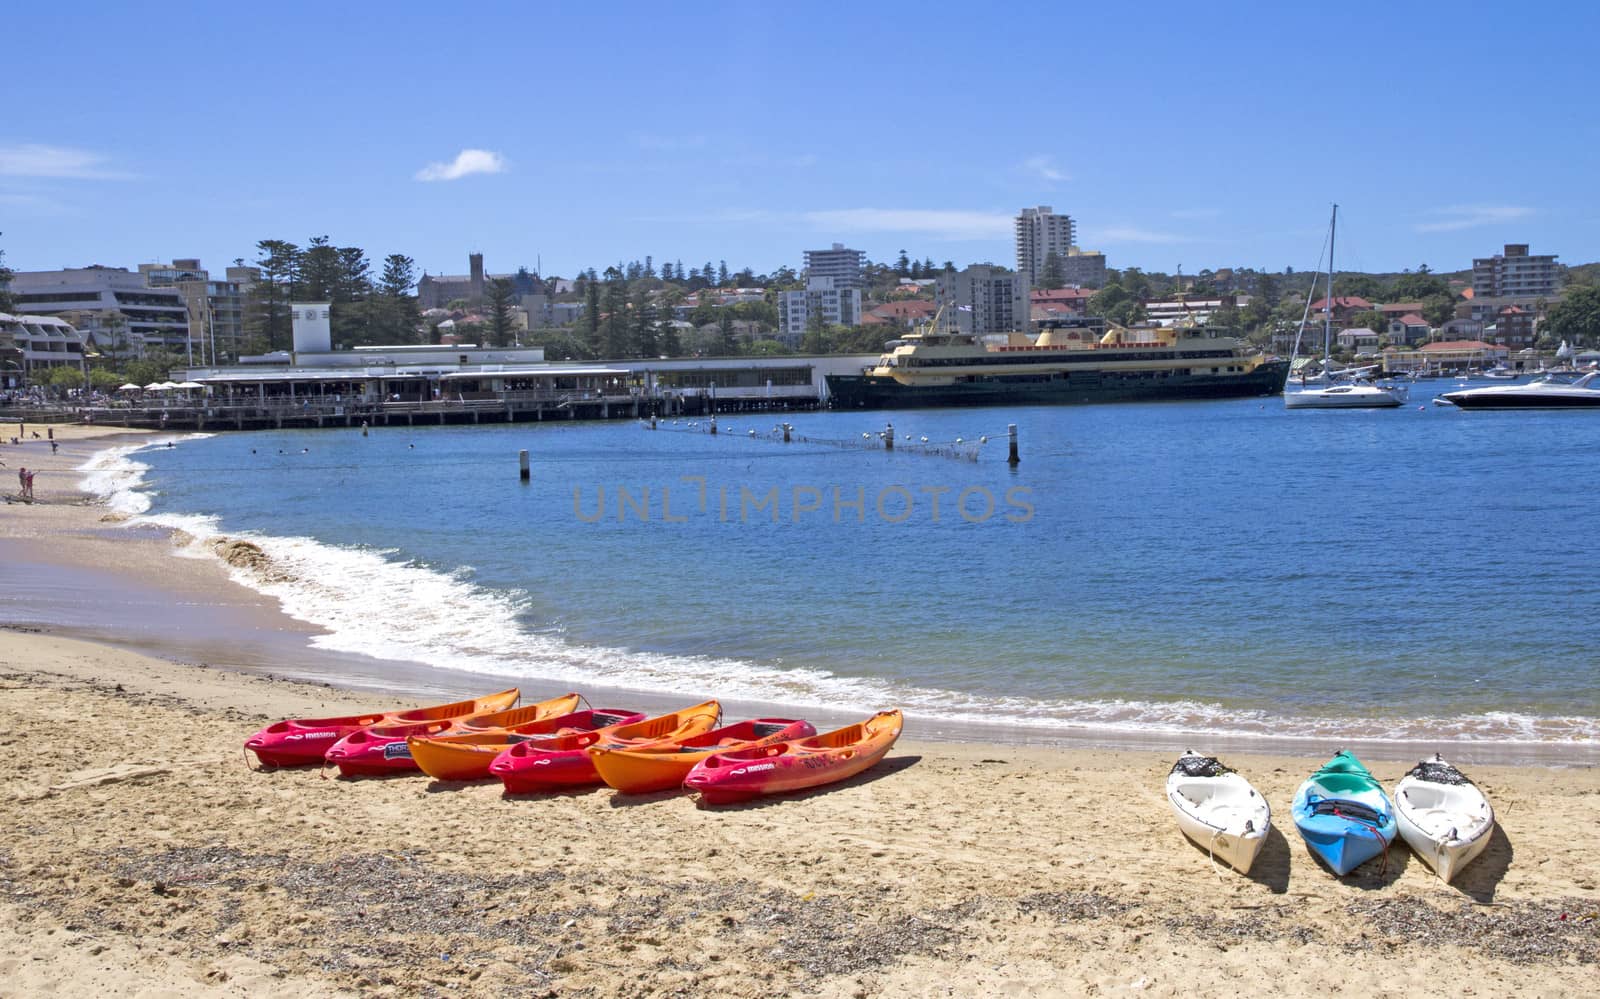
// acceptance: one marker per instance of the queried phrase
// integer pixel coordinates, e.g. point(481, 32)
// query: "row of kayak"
point(1341, 811)
point(552, 744)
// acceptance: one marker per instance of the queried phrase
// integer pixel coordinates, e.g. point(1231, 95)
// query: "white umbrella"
point(169, 386)
point(130, 387)
point(188, 385)
point(154, 387)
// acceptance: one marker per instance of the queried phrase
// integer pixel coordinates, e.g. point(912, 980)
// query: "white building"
point(30, 346)
point(982, 299)
point(1515, 274)
point(112, 306)
point(840, 264)
point(1040, 232)
point(837, 304)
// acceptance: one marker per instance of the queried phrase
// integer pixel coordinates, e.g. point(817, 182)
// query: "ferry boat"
point(1071, 364)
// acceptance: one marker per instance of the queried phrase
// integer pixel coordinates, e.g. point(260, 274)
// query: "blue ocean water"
point(1219, 567)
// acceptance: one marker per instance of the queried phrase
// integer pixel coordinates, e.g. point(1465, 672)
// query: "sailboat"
point(1352, 395)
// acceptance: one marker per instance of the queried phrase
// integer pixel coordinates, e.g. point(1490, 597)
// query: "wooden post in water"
point(522, 465)
point(888, 437)
point(1011, 432)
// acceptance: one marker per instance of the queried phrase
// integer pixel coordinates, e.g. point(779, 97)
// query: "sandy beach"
point(144, 855)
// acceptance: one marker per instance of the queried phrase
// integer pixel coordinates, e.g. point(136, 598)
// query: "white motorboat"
point(1547, 393)
point(1218, 809)
point(1358, 395)
point(1442, 816)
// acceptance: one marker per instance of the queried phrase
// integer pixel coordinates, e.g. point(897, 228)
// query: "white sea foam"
point(371, 602)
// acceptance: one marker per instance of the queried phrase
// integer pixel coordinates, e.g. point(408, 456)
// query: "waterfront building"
point(31, 346)
point(216, 308)
point(1515, 273)
point(982, 299)
point(841, 265)
point(1187, 310)
point(824, 300)
point(1408, 330)
point(113, 307)
point(1358, 340)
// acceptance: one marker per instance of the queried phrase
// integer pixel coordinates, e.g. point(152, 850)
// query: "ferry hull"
point(1075, 388)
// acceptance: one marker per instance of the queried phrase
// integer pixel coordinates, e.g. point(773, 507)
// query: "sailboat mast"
point(1327, 303)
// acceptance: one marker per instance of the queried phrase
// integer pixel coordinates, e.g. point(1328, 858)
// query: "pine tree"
point(500, 321)
point(591, 318)
point(267, 317)
point(7, 303)
point(722, 274)
point(399, 316)
point(1053, 274)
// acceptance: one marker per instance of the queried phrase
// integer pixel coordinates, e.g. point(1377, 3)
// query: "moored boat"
point(795, 766)
point(1550, 392)
point(663, 766)
point(548, 764)
point(1218, 809)
point(467, 755)
point(298, 742)
point(382, 749)
point(1343, 814)
point(1443, 816)
point(936, 367)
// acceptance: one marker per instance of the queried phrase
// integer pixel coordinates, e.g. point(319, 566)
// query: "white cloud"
point(466, 163)
point(1044, 168)
point(935, 222)
point(34, 160)
point(1134, 234)
point(1458, 217)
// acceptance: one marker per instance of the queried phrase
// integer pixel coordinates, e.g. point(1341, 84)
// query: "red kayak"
point(299, 742)
point(549, 764)
point(382, 749)
point(663, 765)
point(795, 766)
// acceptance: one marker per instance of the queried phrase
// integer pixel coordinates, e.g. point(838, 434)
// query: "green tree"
point(642, 316)
point(591, 319)
point(267, 311)
point(670, 344)
point(1361, 285)
point(614, 328)
point(1268, 288)
point(1439, 309)
point(399, 315)
point(319, 270)
point(1371, 319)
point(500, 322)
point(1576, 318)
point(1053, 275)
point(353, 322)
point(1416, 287)
point(7, 303)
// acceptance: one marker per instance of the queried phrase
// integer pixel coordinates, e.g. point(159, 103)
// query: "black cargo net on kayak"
point(1437, 773)
point(1347, 809)
point(1200, 766)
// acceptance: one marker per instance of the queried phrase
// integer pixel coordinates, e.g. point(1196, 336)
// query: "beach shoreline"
point(145, 855)
point(76, 571)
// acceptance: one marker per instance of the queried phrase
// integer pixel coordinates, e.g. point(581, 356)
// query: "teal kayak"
point(1343, 814)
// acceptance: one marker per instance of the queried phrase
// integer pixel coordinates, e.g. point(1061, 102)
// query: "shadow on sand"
point(885, 768)
point(1479, 879)
point(1271, 869)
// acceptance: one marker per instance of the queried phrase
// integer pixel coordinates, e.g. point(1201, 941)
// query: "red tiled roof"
point(1342, 302)
point(1458, 345)
point(912, 309)
point(1513, 310)
point(1412, 319)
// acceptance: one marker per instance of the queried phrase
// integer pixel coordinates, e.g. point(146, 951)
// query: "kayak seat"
point(764, 729)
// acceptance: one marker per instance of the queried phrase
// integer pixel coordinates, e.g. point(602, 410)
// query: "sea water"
point(1211, 567)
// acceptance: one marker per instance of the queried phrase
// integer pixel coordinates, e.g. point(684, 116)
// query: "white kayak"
point(1218, 809)
point(1443, 816)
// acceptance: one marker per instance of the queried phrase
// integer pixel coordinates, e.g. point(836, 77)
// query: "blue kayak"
point(1343, 814)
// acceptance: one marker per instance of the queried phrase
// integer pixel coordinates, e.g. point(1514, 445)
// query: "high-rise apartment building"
point(216, 308)
point(843, 266)
point(824, 299)
point(982, 300)
point(1040, 232)
point(1515, 274)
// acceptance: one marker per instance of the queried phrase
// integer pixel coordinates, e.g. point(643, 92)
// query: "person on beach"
point(22, 479)
point(54, 447)
point(27, 485)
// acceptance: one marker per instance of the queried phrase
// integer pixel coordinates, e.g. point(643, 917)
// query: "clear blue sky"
point(1191, 135)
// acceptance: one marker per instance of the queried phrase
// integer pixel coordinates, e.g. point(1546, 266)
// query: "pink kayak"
point(550, 764)
point(382, 749)
point(798, 765)
point(299, 742)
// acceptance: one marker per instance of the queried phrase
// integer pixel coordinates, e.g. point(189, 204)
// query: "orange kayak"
point(794, 766)
point(663, 766)
point(546, 764)
point(303, 741)
point(467, 755)
point(382, 749)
